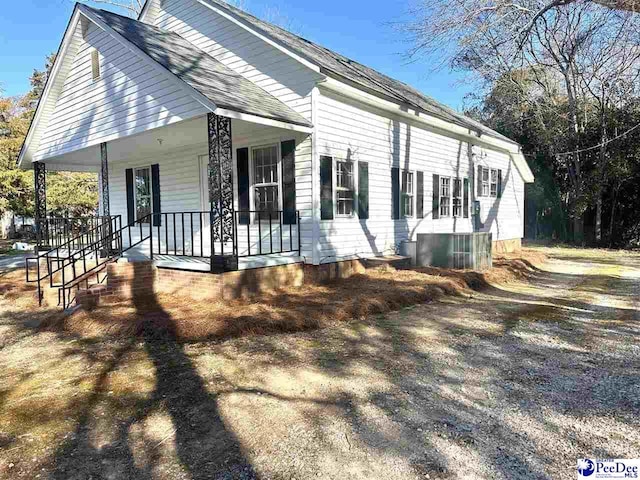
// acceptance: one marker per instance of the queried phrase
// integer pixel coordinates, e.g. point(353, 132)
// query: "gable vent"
point(95, 64)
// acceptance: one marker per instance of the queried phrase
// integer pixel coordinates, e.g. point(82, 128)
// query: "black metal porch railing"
point(53, 231)
point(182, 234)
point(188, 234)
point(265, 223)
point(56, 260)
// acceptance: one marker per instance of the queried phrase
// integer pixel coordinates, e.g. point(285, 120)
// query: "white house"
point(199, 113)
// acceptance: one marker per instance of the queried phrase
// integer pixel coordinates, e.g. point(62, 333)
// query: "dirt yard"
point(516, 380)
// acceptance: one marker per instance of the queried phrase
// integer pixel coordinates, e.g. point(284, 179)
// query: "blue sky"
point(30, 29)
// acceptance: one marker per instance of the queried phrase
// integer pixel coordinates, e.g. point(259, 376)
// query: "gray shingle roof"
point(362, 75)
point(224, 87)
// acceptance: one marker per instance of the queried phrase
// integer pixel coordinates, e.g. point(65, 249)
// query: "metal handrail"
point(68, 245)
point(96, 247)
point(56, 230)
point(106, 241)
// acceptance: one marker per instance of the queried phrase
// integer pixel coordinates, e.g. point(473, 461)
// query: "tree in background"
point(556, 73)
point(269, 13)
point(68, 193)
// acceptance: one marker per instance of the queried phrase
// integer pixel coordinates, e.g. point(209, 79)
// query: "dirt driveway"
point(515, 382)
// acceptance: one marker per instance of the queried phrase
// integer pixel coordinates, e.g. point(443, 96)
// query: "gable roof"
point(361, 77)
point(223, 86)
point(213, 84)
point(334, 64)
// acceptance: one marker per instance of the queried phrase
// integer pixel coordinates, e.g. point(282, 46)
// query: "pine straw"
point(379, 290)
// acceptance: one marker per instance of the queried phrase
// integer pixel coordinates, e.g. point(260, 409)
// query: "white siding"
point(504, 217)
point(263, 135)
point(266, 66)
point(347, 129)
point(180, 190)
point(130, 97)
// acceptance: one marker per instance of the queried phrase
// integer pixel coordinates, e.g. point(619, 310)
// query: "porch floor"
point(200, 264)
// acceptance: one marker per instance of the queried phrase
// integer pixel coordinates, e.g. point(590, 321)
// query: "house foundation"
point(127, 280)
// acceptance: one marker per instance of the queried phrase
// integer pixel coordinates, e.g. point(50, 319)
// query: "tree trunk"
point(578, 229)
point(602, 160)
point(573, 165)
point(613, 212)
point(599, 217)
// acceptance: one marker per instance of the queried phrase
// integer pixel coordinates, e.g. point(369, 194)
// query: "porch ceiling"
point(160, 141)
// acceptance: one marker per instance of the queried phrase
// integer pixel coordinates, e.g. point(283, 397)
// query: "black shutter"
point(363, 190)
point(499, 183)
point(131, 206)
point(288, 151)
point(435, 209)
point(155, 192)
point(479, 180)
point(395, 193)
point(242, 157)
point(420, 195)
point(465, 198)
point(326, 188)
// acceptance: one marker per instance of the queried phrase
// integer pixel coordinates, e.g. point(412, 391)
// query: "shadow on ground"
point(515, 382)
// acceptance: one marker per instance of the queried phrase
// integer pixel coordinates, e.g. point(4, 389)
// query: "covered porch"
point(211, 193)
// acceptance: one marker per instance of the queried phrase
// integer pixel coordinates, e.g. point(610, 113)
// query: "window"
point(445, 196)
point(265, 178)
point(485, 182)
point(143, 192)
point(345, 190)
point(95, 64)
point(406, 194)
point(494, 183)
point(457, 197)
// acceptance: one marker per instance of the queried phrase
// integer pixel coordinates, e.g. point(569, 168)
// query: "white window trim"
point(252, 185)
point(497, 171)
point(450, 197)
point(135, 190)
point(461, 197)
point(413, 194)
point(488, 182)
point(354, 164)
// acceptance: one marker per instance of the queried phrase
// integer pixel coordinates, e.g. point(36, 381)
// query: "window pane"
point(143, 192)
point(444, 186)
point(407, 182)
point(265, 164)
point(266, 199)
point(457, 207)
point(457, 187)
point(345, 202)
point(344, 172)
point(143, 184)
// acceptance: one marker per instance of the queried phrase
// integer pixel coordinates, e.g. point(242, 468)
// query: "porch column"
point(40, 190)
point(104, 180)
point(221, 190)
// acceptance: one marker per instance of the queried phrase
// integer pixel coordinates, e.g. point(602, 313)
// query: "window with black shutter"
point(420, 194)
point(326, 188)
point(363, 190)
point(435, 203)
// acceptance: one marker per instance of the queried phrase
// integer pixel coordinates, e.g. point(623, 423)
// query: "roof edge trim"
point(199, 97)
point(62, 49)
point(229, 15)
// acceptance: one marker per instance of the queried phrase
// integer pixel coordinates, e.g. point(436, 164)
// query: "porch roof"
point(221, 85)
